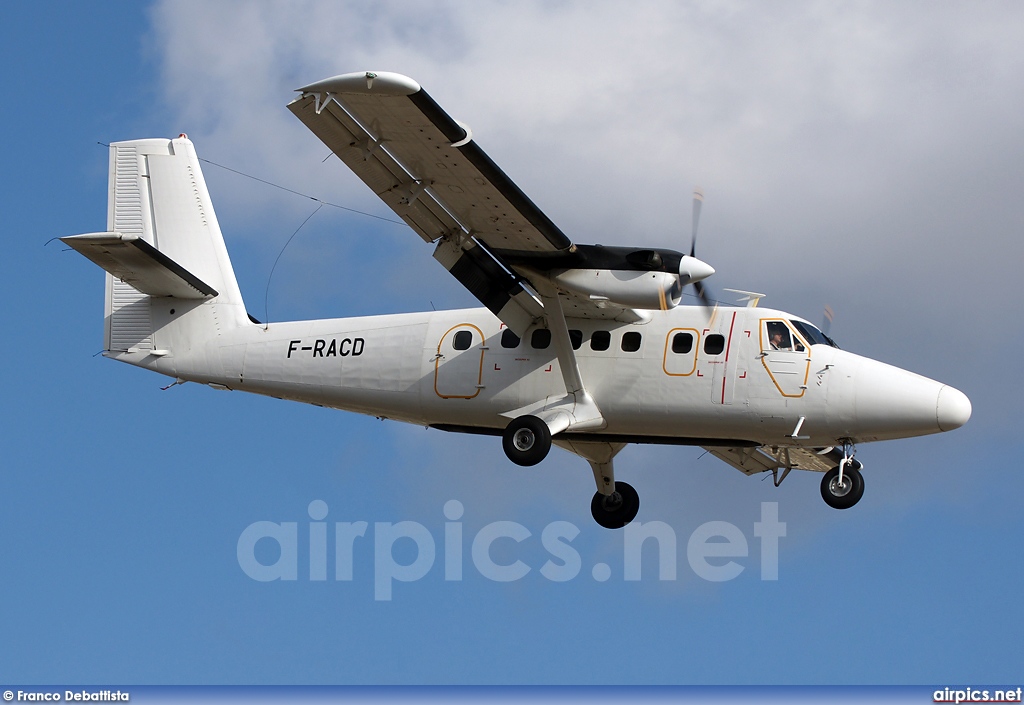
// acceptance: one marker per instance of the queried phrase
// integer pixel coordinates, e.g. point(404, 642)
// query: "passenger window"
point(509, 339)
point(540, 339)
point(714, 344)
point(576, 338)
point(631, 341)
point(682, 343)
point(463, 339)
point(600, 340)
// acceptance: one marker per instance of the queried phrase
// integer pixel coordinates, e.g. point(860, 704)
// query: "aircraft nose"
point(952, 408)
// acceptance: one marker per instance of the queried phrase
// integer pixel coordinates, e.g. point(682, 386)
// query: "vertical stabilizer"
point(157, 194)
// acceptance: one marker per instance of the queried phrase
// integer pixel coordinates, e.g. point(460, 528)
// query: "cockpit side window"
point(780, 337)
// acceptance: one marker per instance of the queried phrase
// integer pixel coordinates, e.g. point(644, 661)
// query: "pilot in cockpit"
point(778, 336)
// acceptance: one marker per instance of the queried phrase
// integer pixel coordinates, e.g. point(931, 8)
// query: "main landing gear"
point(526, 440)
point(616, 510)
point(842, 487)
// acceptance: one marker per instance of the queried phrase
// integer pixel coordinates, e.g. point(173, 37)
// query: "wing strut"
point(560, 335)
point(577, 410)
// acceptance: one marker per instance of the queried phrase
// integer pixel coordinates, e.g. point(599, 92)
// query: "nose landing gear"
point(842, 487)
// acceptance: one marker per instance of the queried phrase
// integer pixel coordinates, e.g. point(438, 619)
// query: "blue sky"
point(871, 156)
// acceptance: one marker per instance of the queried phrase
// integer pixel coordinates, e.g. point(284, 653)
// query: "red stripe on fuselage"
point(728, 347)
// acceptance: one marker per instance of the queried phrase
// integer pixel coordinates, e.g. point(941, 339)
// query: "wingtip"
point(364, 82)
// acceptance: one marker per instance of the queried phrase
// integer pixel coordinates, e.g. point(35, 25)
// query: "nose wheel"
point(842, 492)
point(615, 510)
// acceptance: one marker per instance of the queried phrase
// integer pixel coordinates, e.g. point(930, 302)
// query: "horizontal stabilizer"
point(134, 261)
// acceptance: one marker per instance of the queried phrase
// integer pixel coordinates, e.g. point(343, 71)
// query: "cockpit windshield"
point(815, 336)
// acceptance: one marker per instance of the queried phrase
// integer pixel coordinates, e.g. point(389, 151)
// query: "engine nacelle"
point(632, 289)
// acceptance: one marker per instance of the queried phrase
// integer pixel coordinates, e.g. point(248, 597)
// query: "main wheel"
point(845, 495)
point(616, 510)
point(526, 440)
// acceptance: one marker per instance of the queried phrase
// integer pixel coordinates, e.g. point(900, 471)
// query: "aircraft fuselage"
point(684, 375)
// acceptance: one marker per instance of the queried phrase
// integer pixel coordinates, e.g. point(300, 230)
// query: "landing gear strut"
point(842, 487)
point(615, 504)
point(526, 440)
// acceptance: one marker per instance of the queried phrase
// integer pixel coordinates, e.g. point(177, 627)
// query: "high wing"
point(427, 168)
point(401, 143)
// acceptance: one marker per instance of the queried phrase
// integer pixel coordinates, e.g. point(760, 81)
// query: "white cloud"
point(869, 151)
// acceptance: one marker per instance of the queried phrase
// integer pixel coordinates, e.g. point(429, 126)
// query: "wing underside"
point(754, 460)
point(426, 167)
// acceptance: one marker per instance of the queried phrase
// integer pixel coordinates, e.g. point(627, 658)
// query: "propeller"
point(826, 320)
point(692, 270)
point(698, 201)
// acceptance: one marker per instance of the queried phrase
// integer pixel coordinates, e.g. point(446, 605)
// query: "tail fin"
point(163, 245)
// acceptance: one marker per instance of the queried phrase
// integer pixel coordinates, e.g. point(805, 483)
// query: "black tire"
point(616, 510)
point(847, 495)
point(526, 440)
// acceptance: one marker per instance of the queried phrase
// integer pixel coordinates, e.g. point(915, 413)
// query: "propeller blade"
point(698, 199)
point(826, 321)
point(709, 304)
point(691, 267)
point(702, 294)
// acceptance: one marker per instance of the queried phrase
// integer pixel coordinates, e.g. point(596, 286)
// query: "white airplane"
point(581, 346)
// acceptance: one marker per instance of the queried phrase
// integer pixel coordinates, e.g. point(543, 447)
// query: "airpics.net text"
point(713, 549)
